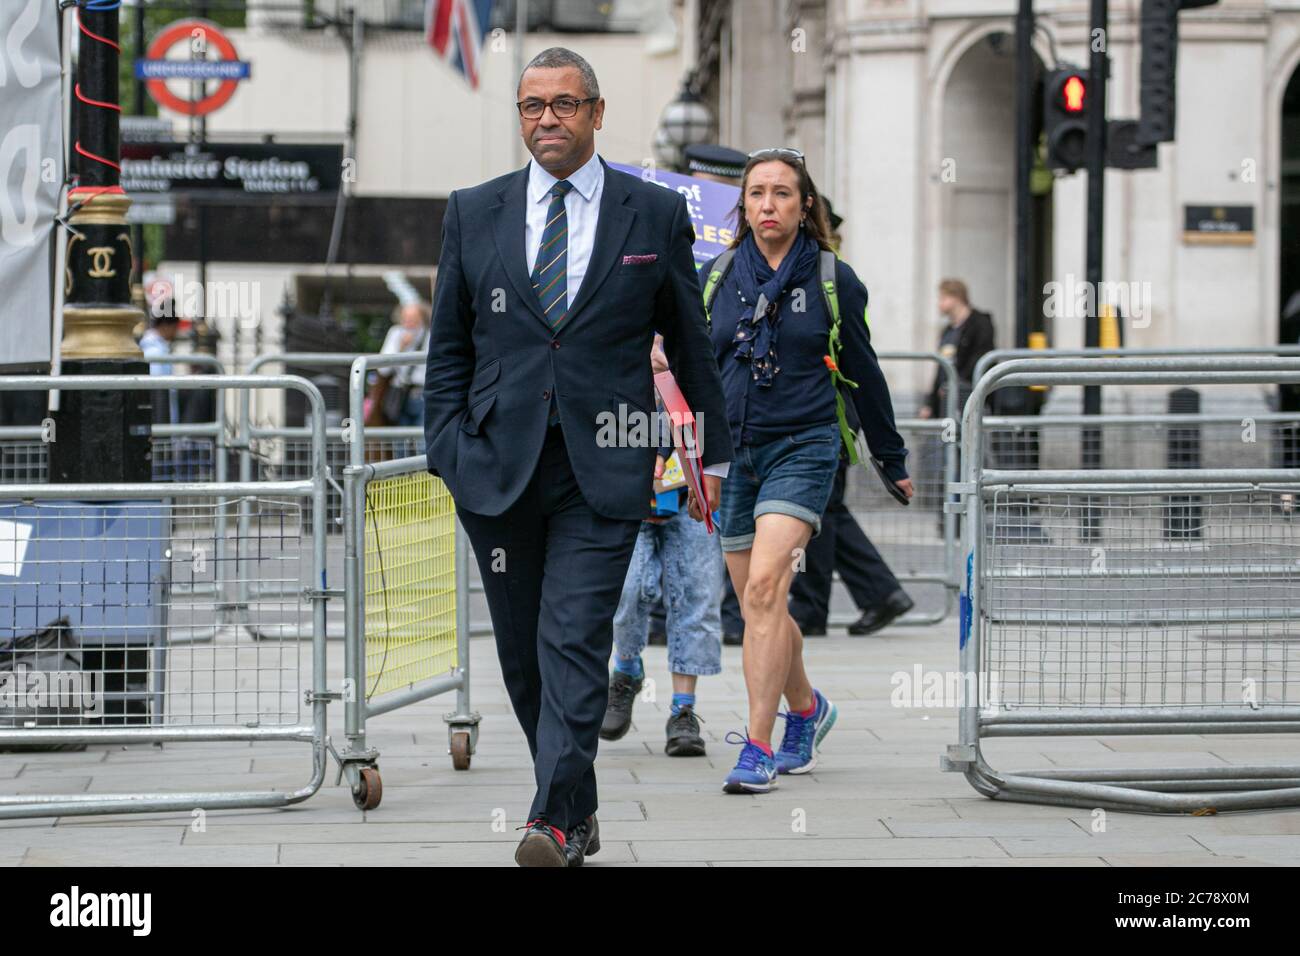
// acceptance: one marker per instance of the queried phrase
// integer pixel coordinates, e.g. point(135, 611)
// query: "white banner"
point(31, 171)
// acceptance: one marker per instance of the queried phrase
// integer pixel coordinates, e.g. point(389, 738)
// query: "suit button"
point(555, 343)
point(546, 394)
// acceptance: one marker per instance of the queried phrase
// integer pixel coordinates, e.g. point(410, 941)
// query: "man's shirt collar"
point(584, 179)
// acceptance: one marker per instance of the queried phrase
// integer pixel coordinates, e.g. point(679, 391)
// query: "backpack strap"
point(826, 269)
point(721, 266)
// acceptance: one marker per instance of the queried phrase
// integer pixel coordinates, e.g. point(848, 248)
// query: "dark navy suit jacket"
point(494, 360)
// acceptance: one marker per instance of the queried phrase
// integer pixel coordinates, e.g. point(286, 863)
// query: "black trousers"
point(553, 572)
point(844, 546)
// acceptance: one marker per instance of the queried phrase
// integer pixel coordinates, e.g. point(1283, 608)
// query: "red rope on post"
point(101, 105)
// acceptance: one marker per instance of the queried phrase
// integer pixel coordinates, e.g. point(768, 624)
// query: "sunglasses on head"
point(777, 152)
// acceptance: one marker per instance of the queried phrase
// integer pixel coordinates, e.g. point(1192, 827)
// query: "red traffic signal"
point(1065, 126)
point(1074, 92)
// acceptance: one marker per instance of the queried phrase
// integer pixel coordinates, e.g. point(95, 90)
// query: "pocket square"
point(638, 260)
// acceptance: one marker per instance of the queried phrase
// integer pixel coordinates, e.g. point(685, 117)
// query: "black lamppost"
point(101, 436)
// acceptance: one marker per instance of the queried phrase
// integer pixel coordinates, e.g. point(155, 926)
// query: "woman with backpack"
point(788, 321)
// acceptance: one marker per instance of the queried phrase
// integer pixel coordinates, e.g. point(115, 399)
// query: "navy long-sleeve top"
point(802, 394)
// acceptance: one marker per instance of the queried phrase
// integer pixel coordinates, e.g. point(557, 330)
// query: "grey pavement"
point(876, 798)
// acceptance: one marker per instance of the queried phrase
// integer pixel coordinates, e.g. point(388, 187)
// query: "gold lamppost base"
point(100, 333)
point(99, 270)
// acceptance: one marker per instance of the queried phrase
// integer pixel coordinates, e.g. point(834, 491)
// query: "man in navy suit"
point(551, 284)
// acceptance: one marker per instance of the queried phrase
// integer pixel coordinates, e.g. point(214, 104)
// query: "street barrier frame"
point(946, 429)
point(1196, 790)
point(359, 761)
point(316, 696)
point(340, 436)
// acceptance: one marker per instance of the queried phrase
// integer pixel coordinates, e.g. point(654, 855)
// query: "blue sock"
point(630, 666)
point(683, 700)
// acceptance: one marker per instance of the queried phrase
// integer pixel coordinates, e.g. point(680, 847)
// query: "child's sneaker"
point(755, 771)
point(803, 735)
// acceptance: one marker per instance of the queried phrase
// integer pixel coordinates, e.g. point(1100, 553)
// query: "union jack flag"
point(456, 29)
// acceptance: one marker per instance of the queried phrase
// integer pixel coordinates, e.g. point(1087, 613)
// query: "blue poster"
point(710, 206)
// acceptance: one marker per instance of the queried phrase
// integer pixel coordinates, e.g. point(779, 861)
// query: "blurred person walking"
point(967, 336)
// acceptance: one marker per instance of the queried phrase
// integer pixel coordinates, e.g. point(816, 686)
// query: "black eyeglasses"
point(777, 152)
point(562, 106)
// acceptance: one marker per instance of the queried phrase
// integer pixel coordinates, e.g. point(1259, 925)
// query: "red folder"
point(688, 449)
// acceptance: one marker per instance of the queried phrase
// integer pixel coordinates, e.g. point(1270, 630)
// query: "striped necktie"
point(550, 272)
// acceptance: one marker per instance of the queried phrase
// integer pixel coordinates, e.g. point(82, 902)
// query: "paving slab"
point(877, 796)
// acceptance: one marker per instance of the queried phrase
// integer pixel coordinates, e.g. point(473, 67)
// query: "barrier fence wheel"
point(460, 749)
point(369, 790)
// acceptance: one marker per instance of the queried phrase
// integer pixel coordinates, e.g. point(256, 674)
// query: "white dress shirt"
point(581, 206)
point(582, 209)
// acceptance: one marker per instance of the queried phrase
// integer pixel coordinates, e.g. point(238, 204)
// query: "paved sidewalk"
point(877, 796)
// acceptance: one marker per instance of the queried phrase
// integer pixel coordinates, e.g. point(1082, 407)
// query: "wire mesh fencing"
point(1155, 592)
point(116, 624)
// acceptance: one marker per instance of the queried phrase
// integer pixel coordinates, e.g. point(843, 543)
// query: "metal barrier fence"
point(919, 542)
point(406, 574)
point(279, 452)
point(1133, 598)
point(90, 598)
point(995, 356)
point(194, 451)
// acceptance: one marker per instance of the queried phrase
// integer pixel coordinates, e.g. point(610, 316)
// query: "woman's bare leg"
point(762, 578)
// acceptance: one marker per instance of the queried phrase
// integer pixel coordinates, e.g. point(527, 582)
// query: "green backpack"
point(826, 266)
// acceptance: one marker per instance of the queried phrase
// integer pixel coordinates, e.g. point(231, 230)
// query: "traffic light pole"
point(1098, 40)
point(1024, 162)
point(1097, 69)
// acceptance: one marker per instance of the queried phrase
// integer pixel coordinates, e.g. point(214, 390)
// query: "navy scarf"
point(756, 334)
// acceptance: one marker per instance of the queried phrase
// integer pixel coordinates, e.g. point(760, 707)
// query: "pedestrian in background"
point(676, 564)
point(403, 402)
point(967, 336)
point(716, 164)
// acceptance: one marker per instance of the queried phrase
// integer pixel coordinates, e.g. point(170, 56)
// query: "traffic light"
point(1065, 118)
point(1159, 72)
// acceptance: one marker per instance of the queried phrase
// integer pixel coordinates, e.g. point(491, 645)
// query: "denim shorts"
point(792, 476)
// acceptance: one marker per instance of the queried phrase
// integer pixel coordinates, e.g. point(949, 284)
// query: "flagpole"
point(521, 28)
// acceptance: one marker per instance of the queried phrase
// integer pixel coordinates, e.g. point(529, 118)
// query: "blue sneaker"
point(803, 735)
point(755, 771)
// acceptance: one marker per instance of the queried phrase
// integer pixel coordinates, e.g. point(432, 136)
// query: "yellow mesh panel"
point(410, 562)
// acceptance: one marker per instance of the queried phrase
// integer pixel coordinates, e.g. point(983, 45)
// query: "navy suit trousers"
point(553, 571)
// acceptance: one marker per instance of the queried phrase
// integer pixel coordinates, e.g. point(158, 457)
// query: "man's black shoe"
point(733, 638)
point(582, 841)
point(684, 738)
point(618, 713)
point(541, 846)
point(873, 620)
point(811, 630)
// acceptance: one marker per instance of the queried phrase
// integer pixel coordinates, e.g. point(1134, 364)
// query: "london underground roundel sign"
point(202, 36)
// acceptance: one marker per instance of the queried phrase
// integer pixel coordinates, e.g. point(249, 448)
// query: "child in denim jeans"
point(676, 558)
